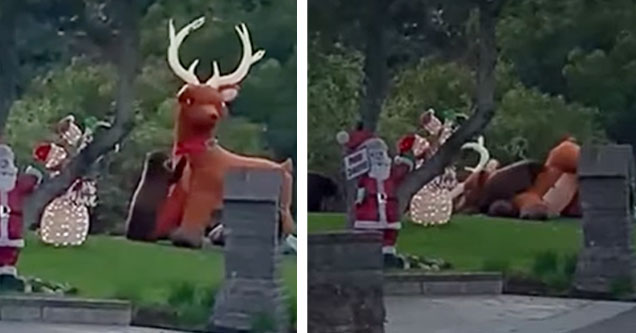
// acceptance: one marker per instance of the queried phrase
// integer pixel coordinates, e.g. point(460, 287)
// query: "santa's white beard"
point(7, 182)
point(380, 172)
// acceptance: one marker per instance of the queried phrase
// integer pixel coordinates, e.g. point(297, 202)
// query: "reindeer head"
point(203, 104)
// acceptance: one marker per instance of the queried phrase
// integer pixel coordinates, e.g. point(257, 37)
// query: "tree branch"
point(483, 113)
point(105, 141)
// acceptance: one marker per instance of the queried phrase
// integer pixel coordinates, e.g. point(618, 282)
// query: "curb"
point(62, 310)
point(442, 284)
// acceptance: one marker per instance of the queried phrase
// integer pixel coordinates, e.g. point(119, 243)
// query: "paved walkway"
point(11, 327)
point(507, 314)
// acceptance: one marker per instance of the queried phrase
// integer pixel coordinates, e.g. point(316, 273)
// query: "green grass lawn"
point(108, 267)
point(469, 241)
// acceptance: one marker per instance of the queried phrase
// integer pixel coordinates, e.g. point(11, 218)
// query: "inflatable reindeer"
point(527, 189)
point(197, 196)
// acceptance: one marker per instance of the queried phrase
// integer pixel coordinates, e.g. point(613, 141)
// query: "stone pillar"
point(606, 190)
point(251, 296)
point(346, 283)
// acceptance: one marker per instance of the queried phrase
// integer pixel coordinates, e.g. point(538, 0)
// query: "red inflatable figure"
point(376, 205)
point(13, 191)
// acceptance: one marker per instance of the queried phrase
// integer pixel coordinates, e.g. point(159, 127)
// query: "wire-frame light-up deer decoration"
point(433, 203)
point(198, 194)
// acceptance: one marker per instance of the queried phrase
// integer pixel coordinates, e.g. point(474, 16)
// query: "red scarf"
point(192, 146)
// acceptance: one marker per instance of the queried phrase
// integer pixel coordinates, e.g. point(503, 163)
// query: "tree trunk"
point(349, 191)
point(484, 111)
point(105, 141)
point(9, 65)
point(375, 83)
point(376, 80)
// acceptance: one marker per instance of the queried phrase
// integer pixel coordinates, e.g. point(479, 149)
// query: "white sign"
point(356, 164)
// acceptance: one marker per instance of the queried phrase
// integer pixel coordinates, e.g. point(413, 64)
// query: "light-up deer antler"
point(176, 39)
point(484, 155)
point(217, 80)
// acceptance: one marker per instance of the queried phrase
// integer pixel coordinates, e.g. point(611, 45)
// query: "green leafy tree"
point(527, 124)
point(334, 82)
point(582, 50)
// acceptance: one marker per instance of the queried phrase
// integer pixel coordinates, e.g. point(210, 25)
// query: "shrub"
point(182, 293)
point(263, 323)
point(193, 304)
point(545, 263)
point(621, 287)
point(569, 265)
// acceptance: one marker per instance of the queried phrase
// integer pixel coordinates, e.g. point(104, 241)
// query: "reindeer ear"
point(229, 94)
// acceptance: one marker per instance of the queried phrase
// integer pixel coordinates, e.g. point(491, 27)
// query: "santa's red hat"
point(358, 139)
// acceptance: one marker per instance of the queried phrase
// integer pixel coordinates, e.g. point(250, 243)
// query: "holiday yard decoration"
point(66, 220)
point(194, 201)
point(151, 193)
point(378, 176)
point(14, 189)
point(433, 203)
point(527, 189)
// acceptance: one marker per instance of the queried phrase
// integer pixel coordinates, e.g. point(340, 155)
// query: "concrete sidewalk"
point(17, 327)
point(506, 314)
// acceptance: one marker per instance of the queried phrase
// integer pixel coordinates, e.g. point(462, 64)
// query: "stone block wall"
point(346, 283)
point(252, 292)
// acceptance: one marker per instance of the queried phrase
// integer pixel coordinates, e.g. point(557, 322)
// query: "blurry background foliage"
point(565, 68)
point(64, 81)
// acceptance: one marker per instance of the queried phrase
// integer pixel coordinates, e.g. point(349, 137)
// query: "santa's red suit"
point(13, 190)
point(376, 206)
point(11, 204)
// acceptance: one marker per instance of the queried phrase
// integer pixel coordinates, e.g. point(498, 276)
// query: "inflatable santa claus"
point(378, 177)
point(14, 189)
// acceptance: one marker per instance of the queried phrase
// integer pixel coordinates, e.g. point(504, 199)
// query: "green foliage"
point(467, 241)
point(145, 274)
point(192, 304)
point(127, 293)
point(556, 271)
point(292, 307)
point(622, 287)
point(263, 118)
point(557, 282)
point(545, 263)
point(524, 115)
point(81, 89)
point(443, 86)
point(496, 265)
point(538, 119)
point(569, 265)
point(268, 94)
point(263, 323)
point(334, 84)
point(37, 285)
point(181, 293)
point(583, 50)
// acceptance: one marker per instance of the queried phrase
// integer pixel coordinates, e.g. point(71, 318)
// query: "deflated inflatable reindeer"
point(198, 194)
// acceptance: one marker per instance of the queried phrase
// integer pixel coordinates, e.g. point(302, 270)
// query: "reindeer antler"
point(217, 80)
point(186, 75)
point(484, 155)
point(248, 59)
